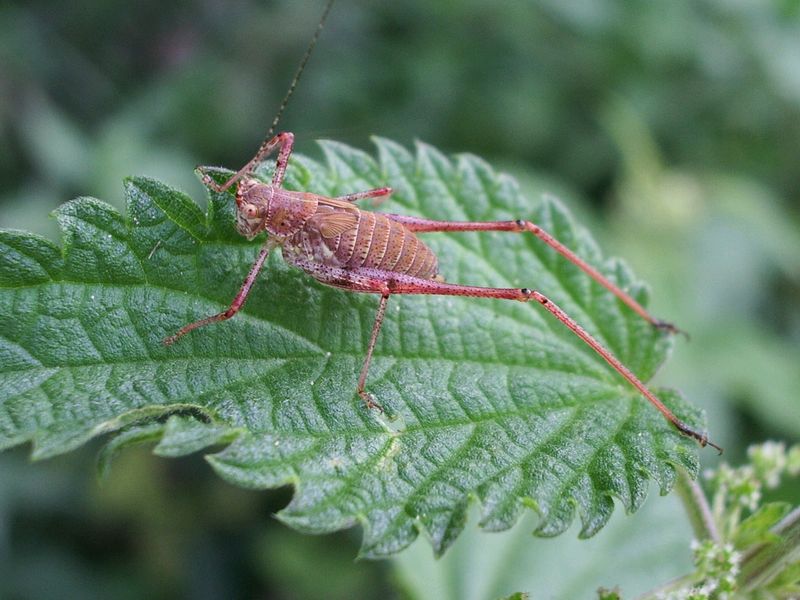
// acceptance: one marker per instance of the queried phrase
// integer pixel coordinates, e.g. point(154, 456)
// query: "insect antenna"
point(300, 68)
point(269, 142)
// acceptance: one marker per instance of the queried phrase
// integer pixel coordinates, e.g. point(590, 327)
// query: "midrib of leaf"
point(517, 412)
point(314, 350)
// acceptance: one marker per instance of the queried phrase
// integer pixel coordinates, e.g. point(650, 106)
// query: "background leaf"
point(491, 400)
point(624, 554)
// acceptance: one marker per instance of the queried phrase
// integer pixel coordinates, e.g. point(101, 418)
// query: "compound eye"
point(250, 211)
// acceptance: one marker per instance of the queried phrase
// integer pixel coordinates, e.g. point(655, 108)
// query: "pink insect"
point(343, 246)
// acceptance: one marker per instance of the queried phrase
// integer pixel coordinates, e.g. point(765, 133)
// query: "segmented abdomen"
point(375, 241)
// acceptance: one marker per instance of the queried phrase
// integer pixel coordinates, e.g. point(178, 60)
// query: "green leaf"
point(492, 401)
point(626, 554)
point(755, 529)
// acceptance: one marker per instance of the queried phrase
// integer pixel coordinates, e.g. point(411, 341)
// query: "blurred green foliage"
point(672, 126)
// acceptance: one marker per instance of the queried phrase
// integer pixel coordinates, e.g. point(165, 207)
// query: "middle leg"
point(356, 280)
point(379, 194)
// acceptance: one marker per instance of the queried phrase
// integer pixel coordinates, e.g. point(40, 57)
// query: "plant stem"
point(674, 584)
point(762, 564)
point(702, 522)
point(696, 506)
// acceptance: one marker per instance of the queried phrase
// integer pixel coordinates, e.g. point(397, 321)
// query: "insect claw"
point(670, 328)
point(702, 438)
point(370, 402)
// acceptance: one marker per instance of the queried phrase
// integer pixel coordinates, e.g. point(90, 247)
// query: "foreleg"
point(237, 303)
point(284, 140)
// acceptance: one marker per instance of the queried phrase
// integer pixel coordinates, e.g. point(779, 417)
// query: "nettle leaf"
point(491, 401)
